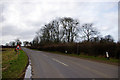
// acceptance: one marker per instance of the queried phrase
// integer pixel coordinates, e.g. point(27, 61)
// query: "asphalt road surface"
point(49, 65)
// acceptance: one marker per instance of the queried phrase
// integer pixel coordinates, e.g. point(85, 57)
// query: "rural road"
point(48, 65)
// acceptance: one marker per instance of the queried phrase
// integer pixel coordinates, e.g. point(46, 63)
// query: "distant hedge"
point(7, 46)
point(88, 48)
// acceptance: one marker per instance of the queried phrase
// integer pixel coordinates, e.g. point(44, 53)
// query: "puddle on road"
point(28, 73)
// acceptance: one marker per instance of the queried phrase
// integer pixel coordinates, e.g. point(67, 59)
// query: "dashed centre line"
point(59, 62)
point(56, 60)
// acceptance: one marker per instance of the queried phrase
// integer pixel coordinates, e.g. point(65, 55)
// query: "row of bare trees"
point(17, 42)
point(59, 30)
point(67, 34)
point(14, 43)
point(65, 29)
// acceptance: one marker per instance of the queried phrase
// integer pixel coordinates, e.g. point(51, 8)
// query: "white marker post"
point(66, 52)
point(107, 55)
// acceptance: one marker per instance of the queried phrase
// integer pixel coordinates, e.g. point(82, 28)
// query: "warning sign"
point(18, 47)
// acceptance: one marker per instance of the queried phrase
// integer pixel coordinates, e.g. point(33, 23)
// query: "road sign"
point(18, 47)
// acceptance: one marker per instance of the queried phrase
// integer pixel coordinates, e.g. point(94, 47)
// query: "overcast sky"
point(23, 18)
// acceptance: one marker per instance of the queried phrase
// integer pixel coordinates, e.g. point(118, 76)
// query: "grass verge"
point(13, 65)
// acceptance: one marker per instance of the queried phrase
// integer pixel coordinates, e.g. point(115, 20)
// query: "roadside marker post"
point(107, 55)
point(65, 51)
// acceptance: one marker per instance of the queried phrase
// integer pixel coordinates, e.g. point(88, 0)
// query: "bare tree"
point(56, 30)
point(7, 44)
point(36, 41)
point(59, 30)
point(50, 32)
point(88, 32)
point(25, 43)
point(12, 43)
point(18, 42)
point(109, 38)
point(69, 28)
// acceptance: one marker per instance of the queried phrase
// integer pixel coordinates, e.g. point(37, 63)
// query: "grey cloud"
point(2, 19)
point(37, 24)
point(3, 6)
point(34, 24)
point(14, 31)
point(8, 30)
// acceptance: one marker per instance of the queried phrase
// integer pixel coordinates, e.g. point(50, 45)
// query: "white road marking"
point(59, 61)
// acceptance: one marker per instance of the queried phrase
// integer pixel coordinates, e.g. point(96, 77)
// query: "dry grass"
point(8, 54)
point(13, 64)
